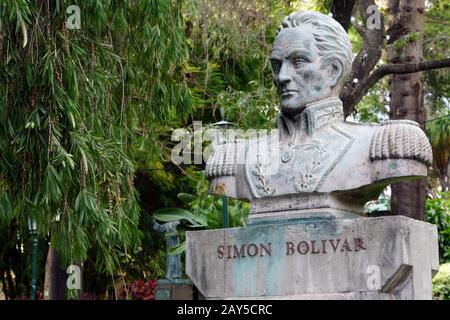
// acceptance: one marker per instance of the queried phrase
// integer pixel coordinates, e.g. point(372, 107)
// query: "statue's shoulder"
point(222, 161)
point(400, 139)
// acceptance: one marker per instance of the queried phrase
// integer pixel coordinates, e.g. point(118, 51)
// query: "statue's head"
point(311, 58)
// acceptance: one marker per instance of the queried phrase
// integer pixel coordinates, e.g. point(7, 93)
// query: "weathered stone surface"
point(174, 289)
point(335, 259)
point(331, 296)
point(340, 157)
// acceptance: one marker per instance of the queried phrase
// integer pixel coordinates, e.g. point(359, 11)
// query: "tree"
point(406, 22)
point(367, 68)
point(437, 87)
point(71, 111)
point(86, 116)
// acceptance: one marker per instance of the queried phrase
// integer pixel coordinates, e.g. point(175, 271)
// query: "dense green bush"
point(437, 211)
point(441, 283)
point(204, 212)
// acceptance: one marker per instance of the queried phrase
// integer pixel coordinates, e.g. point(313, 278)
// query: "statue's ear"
point(335, 71)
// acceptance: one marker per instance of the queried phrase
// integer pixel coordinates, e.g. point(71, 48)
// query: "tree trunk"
point(448, 177)
point(406, 93)
point(11, 286)
point(55, 277)
point(443, 176)
point(2, 280)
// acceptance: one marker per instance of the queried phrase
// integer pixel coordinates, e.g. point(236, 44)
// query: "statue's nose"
point(284, 76)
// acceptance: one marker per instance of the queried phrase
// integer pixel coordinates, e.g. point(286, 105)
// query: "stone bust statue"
point(316, 165)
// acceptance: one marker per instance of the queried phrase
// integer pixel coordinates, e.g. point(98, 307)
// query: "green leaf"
point(174, 214)
point(178, 249)
point(186, 197)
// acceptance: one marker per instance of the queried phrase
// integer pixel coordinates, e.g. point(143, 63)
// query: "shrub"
point(441, 283)
point(139, 290)
point(437, 211)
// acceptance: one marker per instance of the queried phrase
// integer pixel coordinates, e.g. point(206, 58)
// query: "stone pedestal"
point(392, 257)
point(174, 289)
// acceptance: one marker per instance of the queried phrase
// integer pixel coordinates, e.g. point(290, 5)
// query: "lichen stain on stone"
point(219, 188)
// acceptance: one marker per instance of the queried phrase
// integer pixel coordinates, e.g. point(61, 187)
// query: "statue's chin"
point(292, 108)
point(296, 106)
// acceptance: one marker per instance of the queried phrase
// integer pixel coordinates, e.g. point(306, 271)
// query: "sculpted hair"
point(331, 39)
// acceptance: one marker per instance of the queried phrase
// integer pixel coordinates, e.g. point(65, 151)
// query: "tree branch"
point(363, 86)
point(359, 29)
point(364, 66)
point(368, 56)
point(342, 12)
point(414, 67)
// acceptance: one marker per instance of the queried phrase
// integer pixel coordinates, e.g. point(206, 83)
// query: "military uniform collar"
point(315, 116)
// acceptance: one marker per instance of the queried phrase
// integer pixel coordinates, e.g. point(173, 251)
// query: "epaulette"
point(400, 139)
point(222, 162)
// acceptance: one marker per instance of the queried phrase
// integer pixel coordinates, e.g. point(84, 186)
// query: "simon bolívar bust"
point(317, 165)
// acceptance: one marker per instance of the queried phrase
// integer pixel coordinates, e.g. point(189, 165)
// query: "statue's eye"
point(276, 67)
point(298, 62)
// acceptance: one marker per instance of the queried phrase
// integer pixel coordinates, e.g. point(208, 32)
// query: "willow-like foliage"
point(72, 104)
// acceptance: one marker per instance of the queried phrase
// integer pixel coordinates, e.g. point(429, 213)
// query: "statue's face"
point(296, 69)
